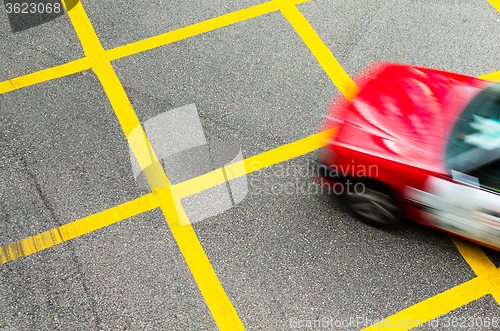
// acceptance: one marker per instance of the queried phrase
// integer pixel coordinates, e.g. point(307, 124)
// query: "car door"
point(469, 203)
point(464, 206)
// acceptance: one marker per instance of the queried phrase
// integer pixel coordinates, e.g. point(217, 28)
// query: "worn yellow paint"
point(78, 228)
point(149, 202)
point(45, 75)
point(168, 197)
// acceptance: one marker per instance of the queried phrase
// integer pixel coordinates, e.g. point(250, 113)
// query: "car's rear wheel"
point(374, 205)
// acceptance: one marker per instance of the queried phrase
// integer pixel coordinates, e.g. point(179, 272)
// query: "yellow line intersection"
point(141, 46)
point(217, 301)
point(167, 196)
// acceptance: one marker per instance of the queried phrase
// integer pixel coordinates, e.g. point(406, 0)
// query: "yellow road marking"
point(312, 40)
point(479, 262)
point(494, 76)
point(435, 306)
point(45, 75)
point(257, 162)
point(195, 29)
point(216, 299)
point(78, 228)
point(141, 46)
point(149, 201)
point(489, 282)
point(322, 53)
point(474, 255)
point(495, 4)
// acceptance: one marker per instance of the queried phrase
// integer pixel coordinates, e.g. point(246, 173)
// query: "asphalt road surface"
point(277, 252)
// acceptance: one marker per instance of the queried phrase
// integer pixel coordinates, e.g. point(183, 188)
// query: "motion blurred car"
point(421, 144)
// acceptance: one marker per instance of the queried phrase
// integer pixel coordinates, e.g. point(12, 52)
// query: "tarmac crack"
point(74, 258)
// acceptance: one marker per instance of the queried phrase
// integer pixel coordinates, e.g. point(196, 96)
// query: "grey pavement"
point(279, 254)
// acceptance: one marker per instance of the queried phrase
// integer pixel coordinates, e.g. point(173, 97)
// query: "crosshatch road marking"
point(150, 202)
point(195, 29)
point(486, 282)
point(252, 164)
point(142, 45)
point(468, 291)
point(215, 297)
point(479, 263)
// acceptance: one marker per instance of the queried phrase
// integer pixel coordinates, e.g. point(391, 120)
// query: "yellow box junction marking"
point(141, 46)
point(486, 282)
point(216, 299)
point(149, 201)
point(253, 163)
point(433, 307)
point(195, 29)
point(161, 196)
point(480, 264)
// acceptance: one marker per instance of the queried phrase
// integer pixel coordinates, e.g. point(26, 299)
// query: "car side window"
point(474, 144)
point(488, 176)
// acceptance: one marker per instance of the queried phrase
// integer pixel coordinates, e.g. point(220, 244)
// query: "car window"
point(488, 175)
point(475, 140)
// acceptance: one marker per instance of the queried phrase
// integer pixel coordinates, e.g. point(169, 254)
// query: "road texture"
point(115, 256)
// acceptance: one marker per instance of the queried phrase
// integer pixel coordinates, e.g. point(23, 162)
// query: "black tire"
point(375, 205)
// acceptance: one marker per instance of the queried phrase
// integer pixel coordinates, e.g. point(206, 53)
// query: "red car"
point(418, 143)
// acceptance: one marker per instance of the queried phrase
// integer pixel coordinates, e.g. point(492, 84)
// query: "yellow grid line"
point(472, 253)
point(141, 46)
point(494, 76)
point(322, 53)
point(149, 201)
point(195, 29)
point(435, 306)
point(222, 310)
point(495, 4)
point(488, 279)
point(78, 228)
point(45, 75)
point(479, 263)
